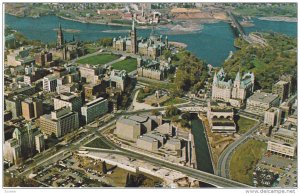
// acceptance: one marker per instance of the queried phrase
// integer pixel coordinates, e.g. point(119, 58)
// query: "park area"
point(100, 59)
point(129, 65)
point(244, 160)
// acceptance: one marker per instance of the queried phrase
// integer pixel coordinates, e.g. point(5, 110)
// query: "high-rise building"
point(50, 83)
point(72, 100)
point(32, 108)
point(40, 142)
point(272, 117)
point(59, 122)
point(12, 151)
point(60, 37)
point(133, 38)
point(282, 89)
point(25, 137)
point(94, 109)
point(14, 106)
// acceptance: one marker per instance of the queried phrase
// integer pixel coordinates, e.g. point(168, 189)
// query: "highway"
point(224, 159)
point(200, 175)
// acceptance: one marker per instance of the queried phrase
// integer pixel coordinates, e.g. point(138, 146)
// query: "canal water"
point(204, 162)
point(212, 44)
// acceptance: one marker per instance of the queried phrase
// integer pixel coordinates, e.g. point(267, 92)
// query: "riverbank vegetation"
point(191, 72)
point(266, 9)
point(268, 63)
point(244, 160)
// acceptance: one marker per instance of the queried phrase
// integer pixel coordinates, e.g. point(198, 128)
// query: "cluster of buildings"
point(151, 133)
point(152, 69)
point(142, 14)
point(55, 99)
point(151, 47)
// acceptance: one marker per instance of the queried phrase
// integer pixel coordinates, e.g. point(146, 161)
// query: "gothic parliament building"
point(67, 50)
point(151, 47)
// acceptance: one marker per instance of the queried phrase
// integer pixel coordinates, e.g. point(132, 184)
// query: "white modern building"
point(50, 83)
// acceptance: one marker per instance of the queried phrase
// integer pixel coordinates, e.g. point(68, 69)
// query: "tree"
point(129, 181)
point(172, 111)
point(104, 168)
point(155, 112)
point(106, 42)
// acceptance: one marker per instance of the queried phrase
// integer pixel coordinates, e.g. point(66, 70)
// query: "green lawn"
point(97, 143)
point(244, 160)
point(173, 101)
point(128, 65)
point(244, 124)
point(159, 85)
point(98, 59)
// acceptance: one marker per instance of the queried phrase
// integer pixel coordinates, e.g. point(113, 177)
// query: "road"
point(200, 175)
point(224, 159)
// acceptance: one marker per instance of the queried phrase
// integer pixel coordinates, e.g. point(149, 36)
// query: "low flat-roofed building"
point(161, 138)
point(173, 144)
point(164, 129)
point(132, 127)
point(147, 143)
point(259, 102)
point(285, 135)
point(128, 129)
point(282, 148)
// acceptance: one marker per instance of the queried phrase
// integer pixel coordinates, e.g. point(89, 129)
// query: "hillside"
point(267, 63)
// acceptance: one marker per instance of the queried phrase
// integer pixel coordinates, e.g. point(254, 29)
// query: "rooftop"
point(263, 97)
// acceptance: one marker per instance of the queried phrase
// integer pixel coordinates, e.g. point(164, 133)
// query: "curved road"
point(224, 159)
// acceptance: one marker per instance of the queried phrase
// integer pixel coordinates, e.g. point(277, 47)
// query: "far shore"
point(279, 19)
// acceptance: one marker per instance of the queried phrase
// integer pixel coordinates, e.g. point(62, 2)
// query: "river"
point(212, 44)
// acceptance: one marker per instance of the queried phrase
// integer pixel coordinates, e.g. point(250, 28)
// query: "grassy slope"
point(245, 124)
point(244, 159)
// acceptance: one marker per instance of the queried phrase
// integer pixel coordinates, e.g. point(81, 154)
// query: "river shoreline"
point(279, 19)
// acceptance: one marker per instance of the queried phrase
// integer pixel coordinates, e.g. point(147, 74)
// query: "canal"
point(204, 162)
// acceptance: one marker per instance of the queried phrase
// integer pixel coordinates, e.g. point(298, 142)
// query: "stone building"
point(151, 47)
point(234, 92)
point(220, 118)
point(67, 50)
point(152, 69)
